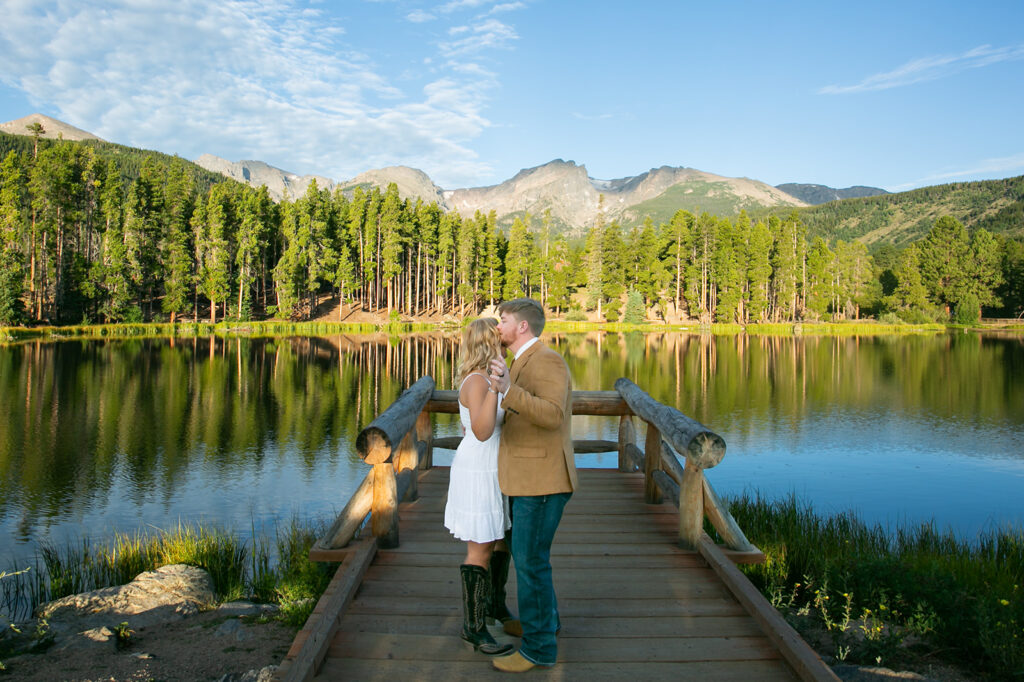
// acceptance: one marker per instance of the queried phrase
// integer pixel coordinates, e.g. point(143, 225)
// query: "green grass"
point(274, 570)
point(886, 595)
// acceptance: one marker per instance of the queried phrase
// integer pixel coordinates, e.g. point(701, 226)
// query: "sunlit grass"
point(873, 588)
point(239, 570)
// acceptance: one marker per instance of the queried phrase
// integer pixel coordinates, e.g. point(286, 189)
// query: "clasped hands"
point(499, 376)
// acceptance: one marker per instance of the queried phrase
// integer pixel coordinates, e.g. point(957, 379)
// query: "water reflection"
point(99, 435)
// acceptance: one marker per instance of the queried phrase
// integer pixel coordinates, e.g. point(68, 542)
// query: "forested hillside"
point(96, 232)
point(995, 205)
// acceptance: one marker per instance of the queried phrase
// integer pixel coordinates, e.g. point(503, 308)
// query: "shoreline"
point(273, 328)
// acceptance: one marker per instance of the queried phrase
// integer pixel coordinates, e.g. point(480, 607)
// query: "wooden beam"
point(652, 463)
point(384, 513)
point(582, 447)
point(807, 664)
point(627, 436)
point(687, 436)
point(723, 521)
point(376, 442)
point(668, 487)
point(635, 456)
point(600, 403)
point(305, 660)
point(425, 435)
point(351, 517)
point(407, 459)
point(670, 463)
point(691, 505)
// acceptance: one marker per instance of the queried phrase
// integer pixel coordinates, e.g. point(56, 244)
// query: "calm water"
point(127, 434)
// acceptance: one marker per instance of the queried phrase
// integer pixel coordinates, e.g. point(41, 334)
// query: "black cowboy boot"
point(476, 588)
point(498, 610)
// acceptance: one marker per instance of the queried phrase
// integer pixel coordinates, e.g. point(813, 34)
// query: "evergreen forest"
point(94, 232)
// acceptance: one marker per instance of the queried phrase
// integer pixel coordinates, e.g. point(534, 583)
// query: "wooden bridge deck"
point(633, 605)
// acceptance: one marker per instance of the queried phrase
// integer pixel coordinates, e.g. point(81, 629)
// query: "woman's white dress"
point(476, 509)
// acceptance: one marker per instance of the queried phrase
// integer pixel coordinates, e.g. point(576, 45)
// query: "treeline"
point(84, 239)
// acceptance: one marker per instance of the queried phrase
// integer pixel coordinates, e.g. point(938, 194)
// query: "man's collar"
point(522, 348)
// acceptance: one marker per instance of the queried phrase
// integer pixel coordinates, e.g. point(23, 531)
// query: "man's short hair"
point(526, 309)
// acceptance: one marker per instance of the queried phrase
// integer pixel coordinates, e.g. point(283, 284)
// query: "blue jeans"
point(534, 522)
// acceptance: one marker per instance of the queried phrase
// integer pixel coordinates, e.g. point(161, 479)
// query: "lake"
point(107, 435)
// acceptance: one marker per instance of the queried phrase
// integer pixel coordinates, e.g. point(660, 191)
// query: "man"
point(536, 469)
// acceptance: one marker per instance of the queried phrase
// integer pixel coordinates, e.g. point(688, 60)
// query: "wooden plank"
point(605, 589)
point(586, 574)
point(591, 649)
point(559, 549)
point(568, 608)
point(558, 562)
point(807, 664)
point(616, 626)
point(705, 671)
point(307, 654)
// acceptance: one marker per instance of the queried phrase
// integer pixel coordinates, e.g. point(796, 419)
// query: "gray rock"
point(233, 628)
point(93, 638)
point(857, 673)
point(167, 594)
point(261, 675)
point(245, 608)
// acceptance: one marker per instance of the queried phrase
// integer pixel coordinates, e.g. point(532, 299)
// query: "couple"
point(515, 468)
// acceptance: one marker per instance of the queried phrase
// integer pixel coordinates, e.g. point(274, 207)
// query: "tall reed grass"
point(964, 599)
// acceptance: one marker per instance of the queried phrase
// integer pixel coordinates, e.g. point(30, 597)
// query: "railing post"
point(406, 458)
point(384, 510)
point(691, 505)
point(652, 462)
point(425, 435)
point(627, 435)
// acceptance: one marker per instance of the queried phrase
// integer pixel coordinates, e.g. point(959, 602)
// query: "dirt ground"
point(206, 646)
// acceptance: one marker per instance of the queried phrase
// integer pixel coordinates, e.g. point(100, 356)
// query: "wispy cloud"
point(507, 7)
point(487, 34)
point(986, 167)
point(461, 4)
point(592, 117)
point(418, 16)
point(277, 79)
point(930, 68)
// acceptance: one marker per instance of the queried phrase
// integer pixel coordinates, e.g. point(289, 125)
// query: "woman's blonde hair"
point(481, 343)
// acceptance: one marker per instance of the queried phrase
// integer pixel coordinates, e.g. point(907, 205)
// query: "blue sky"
point(895, 95)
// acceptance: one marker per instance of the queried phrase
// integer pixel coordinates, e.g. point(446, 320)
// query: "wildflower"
point(1004, 602)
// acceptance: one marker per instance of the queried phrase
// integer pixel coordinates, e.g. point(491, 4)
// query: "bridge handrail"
point(400, 441)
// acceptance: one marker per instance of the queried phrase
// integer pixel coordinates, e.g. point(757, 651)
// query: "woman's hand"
point(500, 379)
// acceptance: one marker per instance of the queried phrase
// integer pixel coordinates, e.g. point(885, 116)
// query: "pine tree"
point(910, 292)
point(13, 227)
point(517, 261)
point(820, 281)
point(759, 272)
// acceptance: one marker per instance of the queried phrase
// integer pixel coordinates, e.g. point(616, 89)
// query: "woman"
point(477, 512)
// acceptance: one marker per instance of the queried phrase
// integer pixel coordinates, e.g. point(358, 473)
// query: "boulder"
point(169, 593)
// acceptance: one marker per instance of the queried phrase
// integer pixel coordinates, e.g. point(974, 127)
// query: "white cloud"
point(930, 68)
point(592, 117)
point(257, 79)
point(418, 16)
point(488, 34)
point(461, 4)
point(998, 166)
point(507, 7)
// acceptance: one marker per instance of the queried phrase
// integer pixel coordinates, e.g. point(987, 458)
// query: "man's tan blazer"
point(536, 456)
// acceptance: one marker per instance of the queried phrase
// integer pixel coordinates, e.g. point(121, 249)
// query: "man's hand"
point(500, 379)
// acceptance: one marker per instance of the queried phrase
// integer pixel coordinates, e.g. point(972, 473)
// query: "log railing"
point(400, 441)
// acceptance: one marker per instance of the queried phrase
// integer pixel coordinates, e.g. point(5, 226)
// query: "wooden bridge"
point(643, 592)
